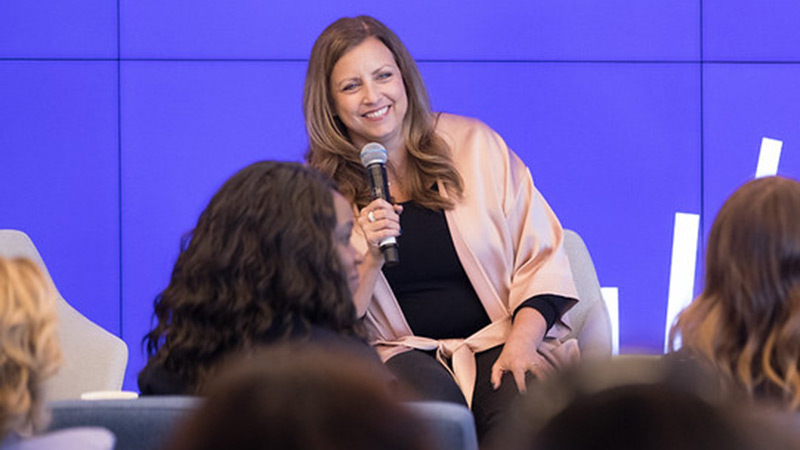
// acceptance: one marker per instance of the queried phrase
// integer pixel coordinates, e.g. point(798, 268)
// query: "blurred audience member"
point(656, 417)
point(297, 397)
point(270, 260)
point(29, 354)
point(640, 403)
point(745, 325)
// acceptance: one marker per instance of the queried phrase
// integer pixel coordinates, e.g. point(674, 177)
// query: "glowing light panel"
point(682, 268)
point(611, 299)
point(768, 157)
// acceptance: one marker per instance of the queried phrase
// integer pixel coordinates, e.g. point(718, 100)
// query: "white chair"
point(589, 318)
point(94, 359)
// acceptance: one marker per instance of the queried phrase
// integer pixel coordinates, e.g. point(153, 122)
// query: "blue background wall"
point(119, 119)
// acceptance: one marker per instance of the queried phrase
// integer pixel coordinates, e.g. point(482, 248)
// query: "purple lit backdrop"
point(109, 155)
point(58, 174)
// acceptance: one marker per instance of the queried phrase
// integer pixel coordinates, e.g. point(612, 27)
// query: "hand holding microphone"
point(374, 157)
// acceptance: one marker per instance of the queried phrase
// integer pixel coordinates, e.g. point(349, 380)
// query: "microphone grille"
point(373, 153)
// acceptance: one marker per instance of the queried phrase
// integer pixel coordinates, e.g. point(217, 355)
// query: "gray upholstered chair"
point(452, 425)
point(138, 424)
point(147, 422)
point(94, 359)
point(589, 318)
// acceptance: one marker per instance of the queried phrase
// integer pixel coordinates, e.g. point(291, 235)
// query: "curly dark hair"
point(261, 265)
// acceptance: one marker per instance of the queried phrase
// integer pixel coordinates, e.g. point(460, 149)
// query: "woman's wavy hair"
point(746, 322)
point(29, 348)
point(330, 149)
point(261, 261)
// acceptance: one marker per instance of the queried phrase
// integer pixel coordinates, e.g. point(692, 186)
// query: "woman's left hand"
point(520, 355)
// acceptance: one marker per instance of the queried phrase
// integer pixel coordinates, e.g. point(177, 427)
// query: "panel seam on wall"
point(119, 163)
point(701, 242)
point(428, 61)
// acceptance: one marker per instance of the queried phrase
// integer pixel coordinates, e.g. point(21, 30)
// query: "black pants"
point(420, 371)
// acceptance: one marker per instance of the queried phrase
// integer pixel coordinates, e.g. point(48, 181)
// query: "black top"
point(156, 379)
point(433, 289)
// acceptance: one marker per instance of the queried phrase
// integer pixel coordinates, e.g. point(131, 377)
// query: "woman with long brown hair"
point(483, 277)
point(745, 325)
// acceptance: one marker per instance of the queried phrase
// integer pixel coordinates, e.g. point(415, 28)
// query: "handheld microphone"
point(373, 157)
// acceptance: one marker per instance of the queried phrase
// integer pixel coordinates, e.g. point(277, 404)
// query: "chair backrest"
point(147, 422)
point(452, 426)
point(94, 359)
point(143, 423)
point(590, 318)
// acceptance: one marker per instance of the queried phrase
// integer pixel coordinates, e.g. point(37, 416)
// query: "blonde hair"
point(29, 349)
point(746, 322)
point(330, 149)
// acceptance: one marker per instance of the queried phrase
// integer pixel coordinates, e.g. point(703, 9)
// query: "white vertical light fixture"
point(768, 157)
point(682, 268)
point(611, 299)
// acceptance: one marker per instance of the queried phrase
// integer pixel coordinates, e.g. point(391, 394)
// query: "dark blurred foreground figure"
point(744, 328)
point(642, 404)
point(269, 261)
point(657, 417)
point(300, 397)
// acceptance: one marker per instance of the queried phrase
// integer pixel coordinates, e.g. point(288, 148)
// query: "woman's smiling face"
point(369, 95)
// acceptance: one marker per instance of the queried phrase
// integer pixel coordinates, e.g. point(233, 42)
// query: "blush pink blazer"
point(509, 242)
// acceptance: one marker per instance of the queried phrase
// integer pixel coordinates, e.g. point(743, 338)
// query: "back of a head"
point(640, 417)
point(753, 254)
point(261, 261)
point(297, 397)
point(267, 235)
point(640, 402)
point(659, 417)
point(29, 350)
point(746, 322)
